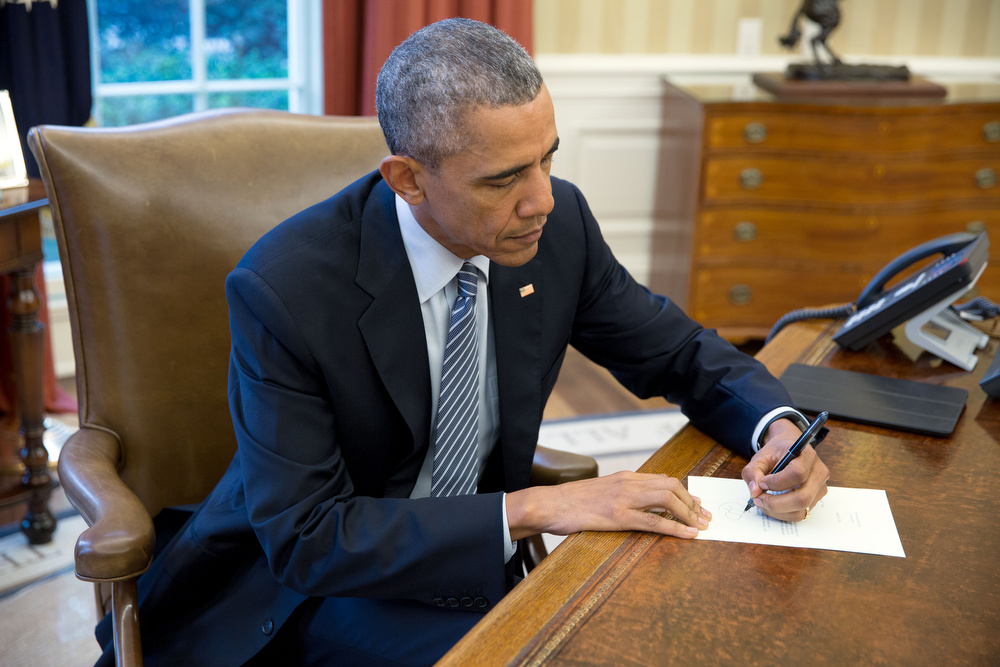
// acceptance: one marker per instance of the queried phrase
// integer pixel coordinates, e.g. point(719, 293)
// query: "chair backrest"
point(149, 220)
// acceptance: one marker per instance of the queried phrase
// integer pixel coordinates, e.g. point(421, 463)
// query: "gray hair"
point(437, 75)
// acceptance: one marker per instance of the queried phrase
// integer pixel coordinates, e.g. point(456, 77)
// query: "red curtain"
point(358, 36)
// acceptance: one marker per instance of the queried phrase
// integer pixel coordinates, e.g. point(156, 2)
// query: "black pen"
point(807, 437)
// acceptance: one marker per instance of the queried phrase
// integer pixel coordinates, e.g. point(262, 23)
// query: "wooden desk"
point(20, 253)
point(634, 598)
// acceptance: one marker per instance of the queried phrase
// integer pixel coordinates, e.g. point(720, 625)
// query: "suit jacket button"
point(452, 602)
point(466, 602)
point(482, 602)
point(267, 627)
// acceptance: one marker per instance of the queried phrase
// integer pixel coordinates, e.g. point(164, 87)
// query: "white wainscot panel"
point(617, 165)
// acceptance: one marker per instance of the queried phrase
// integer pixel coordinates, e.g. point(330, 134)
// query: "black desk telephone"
point(879, 310)
point(923, 300)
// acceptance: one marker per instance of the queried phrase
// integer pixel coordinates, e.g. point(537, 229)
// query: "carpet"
point(22, 563)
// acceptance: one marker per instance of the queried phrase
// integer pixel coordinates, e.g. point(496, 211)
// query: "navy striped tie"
point(456, 464)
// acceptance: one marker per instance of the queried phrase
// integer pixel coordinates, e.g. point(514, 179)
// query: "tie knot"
point(468, 276)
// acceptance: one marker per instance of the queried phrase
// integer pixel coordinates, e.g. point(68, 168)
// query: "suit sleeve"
point(319, 536)
point(654, 349)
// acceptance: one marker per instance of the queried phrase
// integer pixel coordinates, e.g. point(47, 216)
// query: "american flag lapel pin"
point(527, 290)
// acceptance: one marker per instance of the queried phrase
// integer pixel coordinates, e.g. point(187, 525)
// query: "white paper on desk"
point(844, 520)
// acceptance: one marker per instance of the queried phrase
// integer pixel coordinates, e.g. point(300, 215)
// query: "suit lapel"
point(517, 329)
point(394, 315)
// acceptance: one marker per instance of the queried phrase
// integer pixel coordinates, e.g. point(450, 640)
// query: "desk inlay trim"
point(559, 632)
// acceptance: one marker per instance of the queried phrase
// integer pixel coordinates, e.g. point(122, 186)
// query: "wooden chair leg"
point(533, 550)
point(125, 613)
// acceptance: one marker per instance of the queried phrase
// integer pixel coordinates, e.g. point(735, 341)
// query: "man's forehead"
point(510, 133)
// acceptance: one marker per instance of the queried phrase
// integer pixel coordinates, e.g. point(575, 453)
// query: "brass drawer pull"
point(751, 178)
point(740, 295)
point(991, 131)
point(986, 178)
point(745, 231)
point(755, 133)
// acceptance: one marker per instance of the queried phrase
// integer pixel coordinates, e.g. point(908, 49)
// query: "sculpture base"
point(844, 72)
point(781, 86)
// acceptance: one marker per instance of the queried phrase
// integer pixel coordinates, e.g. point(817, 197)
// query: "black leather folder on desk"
point(872, 399)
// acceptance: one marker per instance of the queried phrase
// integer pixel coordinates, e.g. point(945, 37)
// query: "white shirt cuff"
point(508, 547)
point(766, 420)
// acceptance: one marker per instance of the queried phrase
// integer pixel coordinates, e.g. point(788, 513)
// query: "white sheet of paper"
point(844, 520)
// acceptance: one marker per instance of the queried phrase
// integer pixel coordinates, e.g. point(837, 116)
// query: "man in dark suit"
point(347, 529)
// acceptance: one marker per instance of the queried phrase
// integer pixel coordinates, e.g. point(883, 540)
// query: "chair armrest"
point(553, 466)
point(119, 542)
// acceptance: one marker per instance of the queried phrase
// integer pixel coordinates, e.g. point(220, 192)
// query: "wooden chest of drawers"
point(800, 203)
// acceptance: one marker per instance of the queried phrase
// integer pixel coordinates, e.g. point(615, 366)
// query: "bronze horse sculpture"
point(827, 15)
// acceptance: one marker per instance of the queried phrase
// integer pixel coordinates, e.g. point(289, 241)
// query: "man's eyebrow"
point(507, 173)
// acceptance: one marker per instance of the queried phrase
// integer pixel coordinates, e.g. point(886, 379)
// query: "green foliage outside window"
point(142, 41)
point(247, 40)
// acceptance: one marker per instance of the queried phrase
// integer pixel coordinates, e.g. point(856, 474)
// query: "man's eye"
point(505, 185)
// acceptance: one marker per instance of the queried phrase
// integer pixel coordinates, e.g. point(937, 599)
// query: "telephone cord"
point(809, 314)
point(979, 308)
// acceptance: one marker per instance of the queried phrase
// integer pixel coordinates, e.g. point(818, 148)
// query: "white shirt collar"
point(433, 265)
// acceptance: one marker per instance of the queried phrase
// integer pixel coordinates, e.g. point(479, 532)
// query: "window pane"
point(260, 99)
point(127, 110)
point(144, 41)
point(246, 40)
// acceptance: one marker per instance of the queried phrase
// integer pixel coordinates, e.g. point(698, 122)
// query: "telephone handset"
point(924, 296)
point(946, 245)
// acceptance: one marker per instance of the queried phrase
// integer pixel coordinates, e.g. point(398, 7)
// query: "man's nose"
point(538, 200)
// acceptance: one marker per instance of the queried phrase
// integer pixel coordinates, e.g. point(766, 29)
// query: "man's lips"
point(529, 237)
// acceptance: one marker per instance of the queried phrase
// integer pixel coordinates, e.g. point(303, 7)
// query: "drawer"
point(758, 297)
point(851, 129)
point(798, 180)
point(767, 235)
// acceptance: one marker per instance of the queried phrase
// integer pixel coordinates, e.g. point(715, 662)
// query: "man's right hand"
point(622, 501)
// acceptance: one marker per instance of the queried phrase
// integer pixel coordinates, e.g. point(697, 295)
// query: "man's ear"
point(400, 173)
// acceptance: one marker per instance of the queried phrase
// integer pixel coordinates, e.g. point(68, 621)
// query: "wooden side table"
point(20, 253)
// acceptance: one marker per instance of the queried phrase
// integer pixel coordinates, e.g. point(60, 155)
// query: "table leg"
point(27, 346)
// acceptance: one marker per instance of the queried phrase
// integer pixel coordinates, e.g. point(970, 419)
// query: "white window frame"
point(304, 82)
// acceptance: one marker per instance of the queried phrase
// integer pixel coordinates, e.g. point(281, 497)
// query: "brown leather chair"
point(149, 220)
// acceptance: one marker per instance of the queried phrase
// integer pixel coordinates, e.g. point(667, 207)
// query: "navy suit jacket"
point(330, 397)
